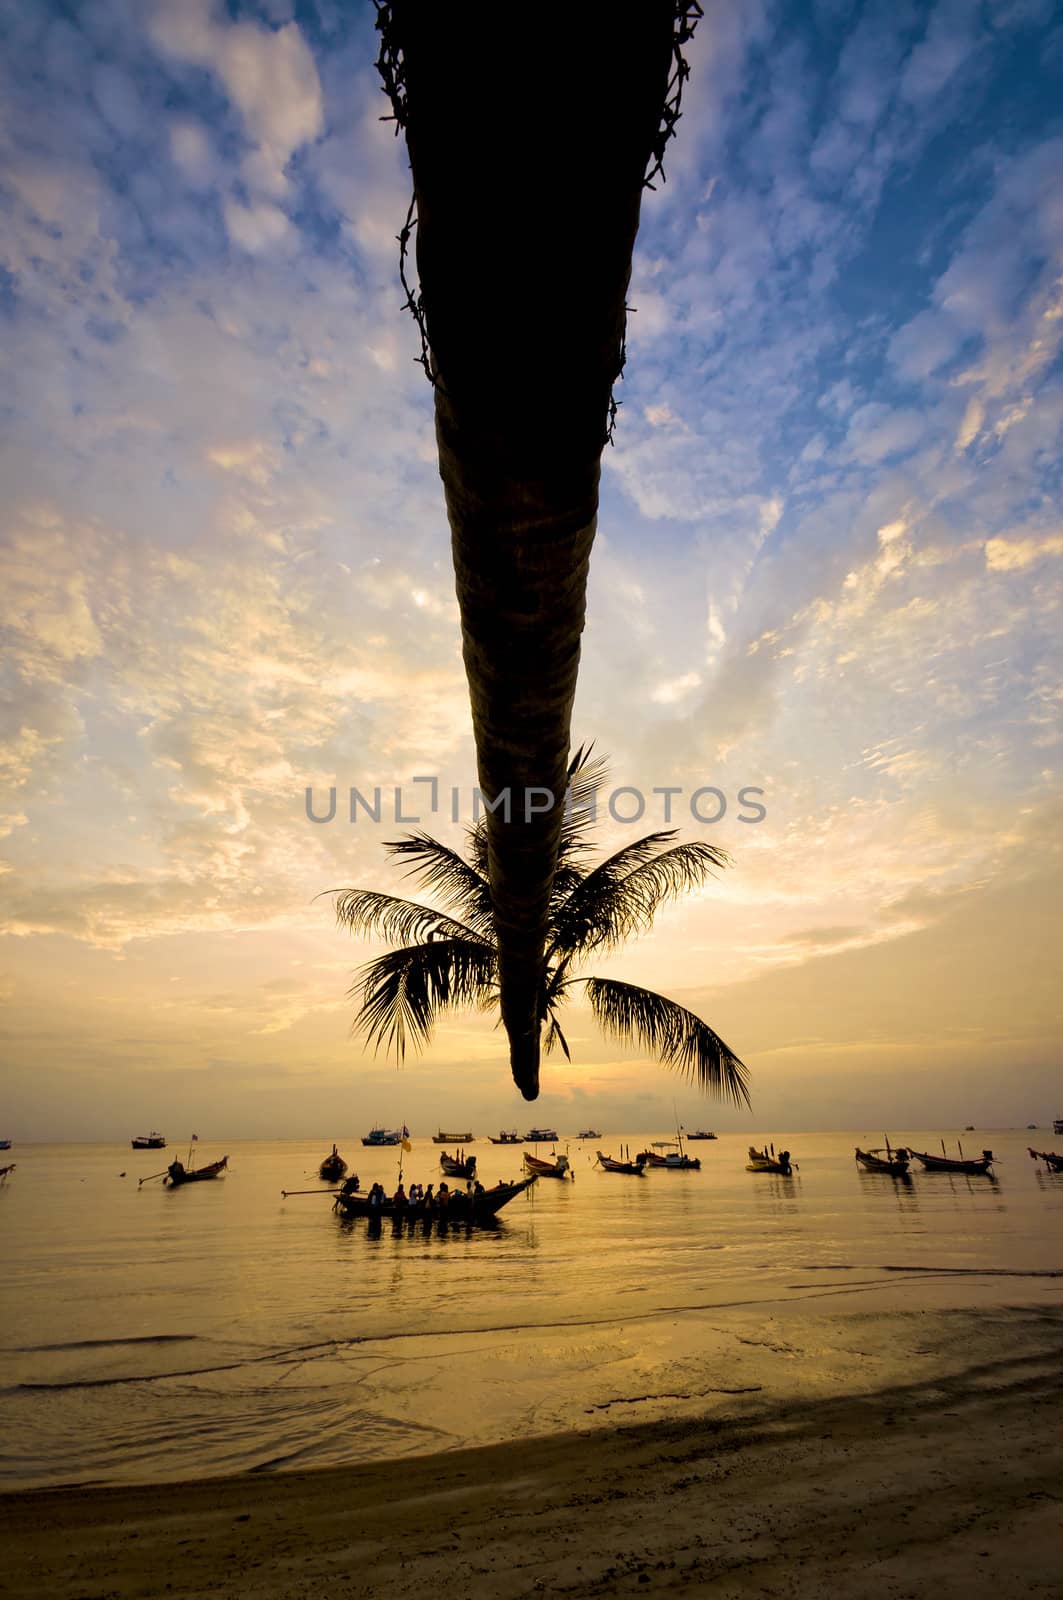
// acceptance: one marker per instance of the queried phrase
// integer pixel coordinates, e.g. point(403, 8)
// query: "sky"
point(828, 568)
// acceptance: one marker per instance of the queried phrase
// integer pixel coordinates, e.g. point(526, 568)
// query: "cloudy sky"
point(828, 567)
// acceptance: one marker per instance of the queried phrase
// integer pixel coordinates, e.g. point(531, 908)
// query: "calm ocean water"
point(157, 1334)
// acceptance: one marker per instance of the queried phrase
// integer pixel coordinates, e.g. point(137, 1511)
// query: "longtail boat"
point(177, 1173)
point(476, 1208)
point(333, 1167)
point(538, 1168)
point(458, 1165)
point(453, 1138)
point(763, 1161)
point(892, 1162)
point(634, 1169)
point(975, 1167)
point(1053, 1162)
point(5, 1170)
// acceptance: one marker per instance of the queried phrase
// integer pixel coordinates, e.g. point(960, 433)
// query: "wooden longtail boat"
point(453, 1138)
point(458, 1165)
point(635, 1168)
point(762, 1161)
point(463, 1208)
point(5, 1170)
point(333, 1167)
point(538, 1168)
point(892, 1162)
point(975, 1167)
point(177, 1173)
point(1053, 1162)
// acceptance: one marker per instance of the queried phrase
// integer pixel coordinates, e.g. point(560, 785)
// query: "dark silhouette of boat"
point(767, 1161)
point(476, 1207)
point(177, 1173)
point(1053, 1162)
point(634, 1168)
point(541, 1136)
point(513, 1137)
point(5, 1170)
point(702, 1133)
point(458, 1165)
point(149, 1141)
point(538, 1168)
point(973, 1166)
point(453, 1138)
point(892, 1162)
point(333, 1167)
point(378, 1136)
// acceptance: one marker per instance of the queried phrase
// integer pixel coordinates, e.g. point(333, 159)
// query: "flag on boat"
point(406, 1145)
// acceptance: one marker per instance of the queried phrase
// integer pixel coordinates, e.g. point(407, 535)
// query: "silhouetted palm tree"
point(448, 958)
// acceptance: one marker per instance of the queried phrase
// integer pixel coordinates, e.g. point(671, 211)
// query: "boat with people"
point(634, 1169)
point(476, 1207)
point(767, 1161)
point(541, 1136)
point(512, 1137)
point(458, 1165)
point(702, 1133)
point(453, 1138)
point(149, 1141)
point(558, 1168)
point(177, 1173)
point(1053, 1162)
point(382, 1136)
point(973, 1166)
point(333, 1167)
point(885, 1159)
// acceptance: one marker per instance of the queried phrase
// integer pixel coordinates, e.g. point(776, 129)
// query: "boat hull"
point(177, 1175)
point(154, 1142)
point(472, 1210)
point(978, 1168)
point(895, 1166)
point(1053, 1162)
point(546, 1169)
point(453, 1168)
point(332, 1170)
point(453, 1138)
point(634, 1169)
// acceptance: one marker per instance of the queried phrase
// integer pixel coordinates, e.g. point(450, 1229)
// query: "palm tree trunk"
point(528, 149)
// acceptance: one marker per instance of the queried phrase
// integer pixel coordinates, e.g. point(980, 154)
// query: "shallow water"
point(157, 1334)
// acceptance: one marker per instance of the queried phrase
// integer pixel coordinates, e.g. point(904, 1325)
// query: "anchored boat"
point(1053, 1162)
point(333, 1167)
point(177, 1173)
point(974, 1167)
point(453, 1138)
point(379, 1136)
point(512, 1137)
point(894, 1163)
point(149, 1141)
point(765, 1161)
point(634, 1168)
point(559, 1168)
point(458, 1165)
point(480, 1207)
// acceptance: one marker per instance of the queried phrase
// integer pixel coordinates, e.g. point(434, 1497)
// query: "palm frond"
point(586, 778)
point(676, 1036)
point(403, 992)
point(553, 1035)
point(462, 888)
point(619, 898)
point(398, 921)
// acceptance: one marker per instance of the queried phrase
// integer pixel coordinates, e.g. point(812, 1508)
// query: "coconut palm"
point(448, 959)
point(529, 152)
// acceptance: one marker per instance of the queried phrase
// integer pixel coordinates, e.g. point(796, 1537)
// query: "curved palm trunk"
point(528, 153)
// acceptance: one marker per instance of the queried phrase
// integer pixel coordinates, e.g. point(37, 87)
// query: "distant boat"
point(675, 1159)
point(1053, 1162)
point(969, 1127)
point(976, 1167)
point(762, 1161)
point(590, 1133)
point(149, 1141)
point(1057, 1126)
point(333, 1167)
point(453, 1138)
point(702, 1133)
point(541, 1136)
point(512, 1137)
point(634, 1168)
point(377, 1136)
point(894, 1163)
point(458, 1165)
point(177, 1173)
point(5, 1144)
point(546, 1169)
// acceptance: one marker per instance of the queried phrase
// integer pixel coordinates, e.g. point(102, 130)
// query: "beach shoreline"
point(951, 1480)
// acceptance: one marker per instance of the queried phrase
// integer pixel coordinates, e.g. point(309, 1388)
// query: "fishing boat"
point(379, 1136)
point(479, 1207)
point(5, 1144)
point(1057, 1126)
point(177, 1173)
point(767, 1161)
point(975, 1167)
point(453, 1138)
point(886, 1159)
point(458, 1165)
point(333, 1167)
point(5, 1170)
point(674, 1160)
point(149, 1141)
point(1053, 1162)
point(541, 1136)
point(702, 1133)
point(590, 1133)
point(512, 1137)
point(634, 1168)
point(558, 1168)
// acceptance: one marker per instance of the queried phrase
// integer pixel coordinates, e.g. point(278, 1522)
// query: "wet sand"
point(936, 1487)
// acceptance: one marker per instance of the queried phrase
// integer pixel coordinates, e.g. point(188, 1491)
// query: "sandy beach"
point(934, 1487)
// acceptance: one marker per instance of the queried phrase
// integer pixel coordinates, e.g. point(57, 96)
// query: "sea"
point(152, 1334)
